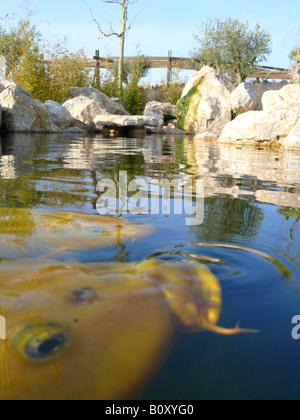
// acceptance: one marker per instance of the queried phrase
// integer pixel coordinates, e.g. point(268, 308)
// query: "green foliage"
point(136, 68)
point(169, 93)
point(295, 55)
point(231, 48)
point(65, 69)
point(184, 104)
point(108, 84)
point(135, 98)
point(46, 72)
point(235, 114)
point(291, 213)
point(16, 42)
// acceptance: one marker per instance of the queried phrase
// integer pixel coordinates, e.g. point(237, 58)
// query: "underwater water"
point(249, 239)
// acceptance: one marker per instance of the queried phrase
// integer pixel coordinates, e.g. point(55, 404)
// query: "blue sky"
point(161, 25)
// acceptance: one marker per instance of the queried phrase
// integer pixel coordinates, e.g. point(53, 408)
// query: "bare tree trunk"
point(125, 28)
point(122, 45)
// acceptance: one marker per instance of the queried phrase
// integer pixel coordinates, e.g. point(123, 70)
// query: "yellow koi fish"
point(98, 331)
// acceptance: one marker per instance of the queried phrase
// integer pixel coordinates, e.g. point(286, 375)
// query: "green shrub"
point(46, 72)
point(134, 98)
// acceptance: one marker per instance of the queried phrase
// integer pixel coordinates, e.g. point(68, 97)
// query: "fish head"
point(97, 331)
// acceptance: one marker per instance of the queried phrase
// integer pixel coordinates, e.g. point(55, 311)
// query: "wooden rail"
point(170, 62)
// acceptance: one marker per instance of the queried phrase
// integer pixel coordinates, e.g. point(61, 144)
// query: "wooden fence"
point(170, 62)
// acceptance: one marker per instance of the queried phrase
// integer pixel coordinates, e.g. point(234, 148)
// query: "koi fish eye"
point(40, 342)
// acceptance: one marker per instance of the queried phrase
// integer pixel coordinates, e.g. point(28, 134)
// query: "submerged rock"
point(205, 104)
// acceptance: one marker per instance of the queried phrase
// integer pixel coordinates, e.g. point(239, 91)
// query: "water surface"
point(249, 240)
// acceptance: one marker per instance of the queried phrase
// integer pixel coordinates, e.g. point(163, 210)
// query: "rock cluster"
point(87, 109)
point(211, 112)
point(277, 124)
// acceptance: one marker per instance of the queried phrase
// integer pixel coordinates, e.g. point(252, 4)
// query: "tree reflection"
point(227, 218)
point(291, 213)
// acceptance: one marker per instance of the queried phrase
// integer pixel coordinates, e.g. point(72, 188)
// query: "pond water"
point(250, 240)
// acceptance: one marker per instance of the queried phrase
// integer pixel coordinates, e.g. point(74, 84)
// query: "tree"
point(135, 68)
point(16, 42)
point(121, 35)
point(231, 48)
point(46, 72)
point(295, 55)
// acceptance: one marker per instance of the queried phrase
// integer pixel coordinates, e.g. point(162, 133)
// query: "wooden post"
point(169, 76)
point(97, 81)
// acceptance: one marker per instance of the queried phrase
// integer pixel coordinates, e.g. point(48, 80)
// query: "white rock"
point(126, 121)
point(21, 113)
point(161, 110)
point(84, 109)
point(271, 126)
point(59, 114)
point(293, 139)
point(108, 105)
point(289, 94)
point(5, 84)
point(209, 108)
point(243, 99)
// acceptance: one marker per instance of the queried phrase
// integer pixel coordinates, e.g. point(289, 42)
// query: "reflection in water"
point(226, 219)
point(249, 240)
point(98, 331)
point(7, 164)
point(249, 173)
point(27, 233)
point(246, 173)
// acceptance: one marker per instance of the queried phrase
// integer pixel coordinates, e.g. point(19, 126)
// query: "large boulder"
point(161, 110)
point(5, 84)
point(109, 106)
point(289, 94)
point(293, 139)
point(268, 126)
point(205, 105)
point(59, 114)
point(84, 109)
point(243, 99)
point(21, 113)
